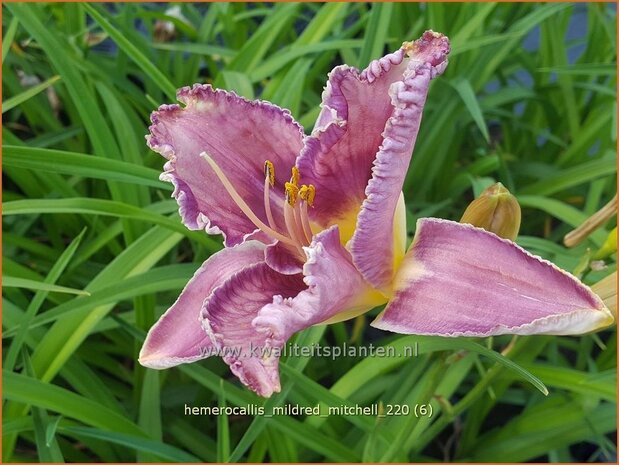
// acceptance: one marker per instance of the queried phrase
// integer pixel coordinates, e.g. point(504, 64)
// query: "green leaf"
point(256, 47)
point(100, 207)
point(21, 388)
point(50, 432)
point(467, 94)
point(590, 385)
point(156, 448)
point(547, 426)
point(11, 281)
point(78, 164)
point(333, 449)
point(7, 40)
point(376, 33)
point(12, 102)
point(47, 447)
point(583, 69)
point(150, 411)
point(307, 337)
point(561, 211)
point(570, 177)
point(223, 432)
point(212, 51)
point(370, 368)
point(172, 277)
point(61, 58)
point(53, 275)
point(286, 56)
point(239, 83)
point(150, 70)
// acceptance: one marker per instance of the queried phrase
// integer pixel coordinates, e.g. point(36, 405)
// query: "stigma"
point(295, 231)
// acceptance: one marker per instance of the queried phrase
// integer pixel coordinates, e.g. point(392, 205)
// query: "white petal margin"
point(459, 280)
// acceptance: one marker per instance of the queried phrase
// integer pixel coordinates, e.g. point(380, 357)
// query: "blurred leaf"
point(570, 177)
point(376, 33)
point(98, 207)
point(31, 391)
point(11, 281)
point(7, 40)
point(53, 275)
point(590, 385)
point(591, 69)
point(223, 432)
point(47, 447)
point(239, 83)
point(545, 427)
point(91, 166)
point(464, 89)
point(156, 448)
point(132, 51)
point(12, 102)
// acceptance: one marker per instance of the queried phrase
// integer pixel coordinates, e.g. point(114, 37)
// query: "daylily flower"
point(315, 231)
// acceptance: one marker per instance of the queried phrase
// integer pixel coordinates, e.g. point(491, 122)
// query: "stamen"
point(308, 193)
point(267, 202)
point(307, 230)
point(242, 204)
point(298, 223)
point(269, 172)
point(292, 192)
point(290, 226)
point(295, 176)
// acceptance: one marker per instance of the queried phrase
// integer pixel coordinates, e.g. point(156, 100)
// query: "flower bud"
point(606, 289)
point(495, 210)
point(609, 247)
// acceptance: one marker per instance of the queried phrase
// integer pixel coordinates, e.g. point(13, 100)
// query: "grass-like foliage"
point(94, 250)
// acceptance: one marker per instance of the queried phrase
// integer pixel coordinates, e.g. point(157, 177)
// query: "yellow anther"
point(308, 193)
point(295, 176)
point(292, 192)
point(269, 172)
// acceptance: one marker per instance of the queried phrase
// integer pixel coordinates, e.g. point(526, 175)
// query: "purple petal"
point(458, 280)
point(335, 291)
point(178, 336)
point(372, 244)
point(251, 317)
point(283, 258)
point(227, 318)
point(357, 109)
point(239, 135)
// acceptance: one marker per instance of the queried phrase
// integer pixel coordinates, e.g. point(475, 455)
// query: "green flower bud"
point(609, 247)
point(496, 210)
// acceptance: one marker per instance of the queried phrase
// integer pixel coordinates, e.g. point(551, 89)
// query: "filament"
point(243, 205)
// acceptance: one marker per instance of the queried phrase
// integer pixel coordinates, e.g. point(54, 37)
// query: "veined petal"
point(178, 336)
point(240, 135)
point(357, 108)
point(372, 244)
point(335, 291)
point(227, 318)
point(282, 258)
point(459, 280)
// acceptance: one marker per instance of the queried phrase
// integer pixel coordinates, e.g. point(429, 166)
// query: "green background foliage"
point(94, 250)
